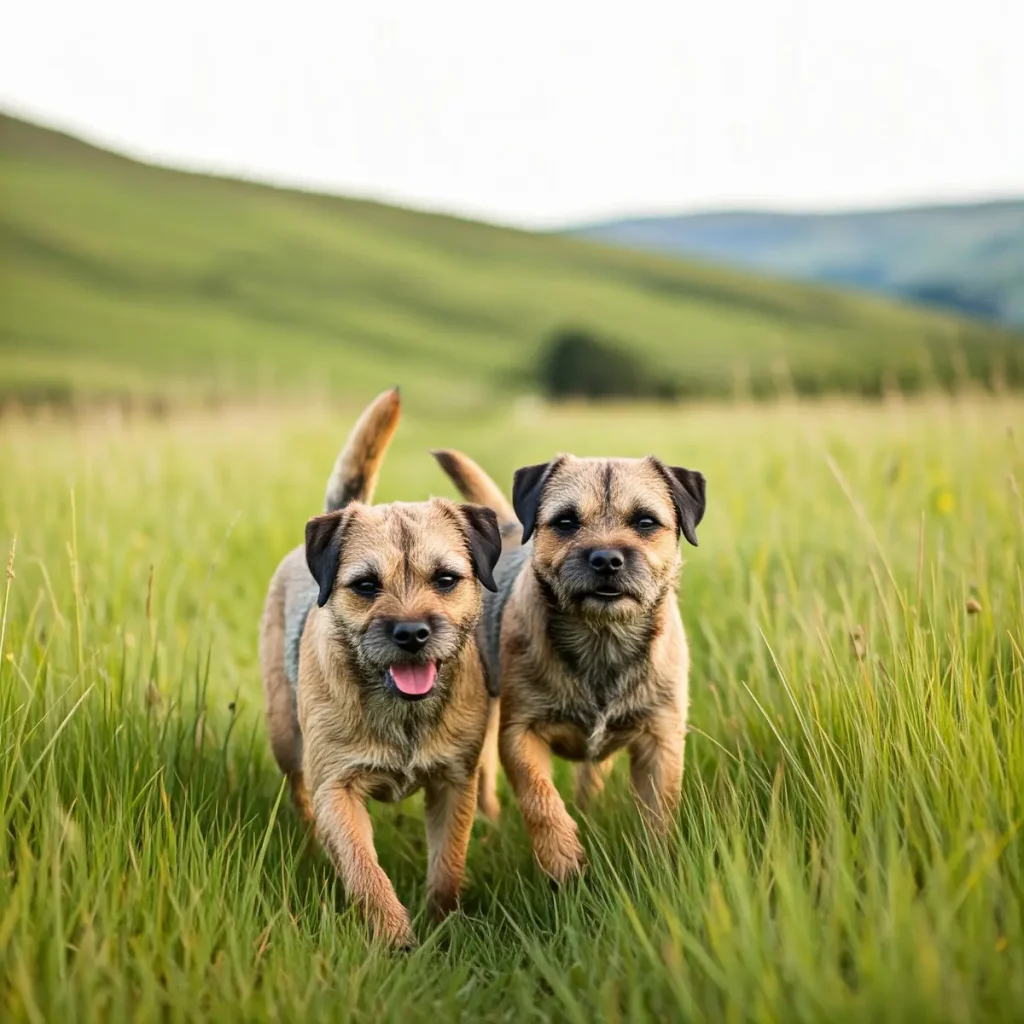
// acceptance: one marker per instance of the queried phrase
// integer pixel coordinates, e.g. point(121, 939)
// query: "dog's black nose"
point(608, 562)
point(410, 636)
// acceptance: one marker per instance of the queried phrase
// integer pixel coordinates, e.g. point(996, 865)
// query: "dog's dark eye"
point(367, 587)
point(446, 581)
point(644, 522)
point(566, 522)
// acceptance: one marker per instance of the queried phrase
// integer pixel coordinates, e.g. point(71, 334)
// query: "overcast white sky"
point(542, 113)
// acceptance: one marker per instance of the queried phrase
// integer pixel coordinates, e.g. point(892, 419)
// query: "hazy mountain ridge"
point(968, 258)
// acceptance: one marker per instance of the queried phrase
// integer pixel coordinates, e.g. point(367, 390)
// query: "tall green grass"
point(849, 842)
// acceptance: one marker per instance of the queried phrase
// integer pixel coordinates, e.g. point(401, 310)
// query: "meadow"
point(122, 283)
point(849, 843)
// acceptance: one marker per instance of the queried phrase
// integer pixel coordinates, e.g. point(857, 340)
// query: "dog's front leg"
point(527, 762)
point(344, 828)
point(450, 807)
point(300, 796)
point(656, 769)
point(590, 779)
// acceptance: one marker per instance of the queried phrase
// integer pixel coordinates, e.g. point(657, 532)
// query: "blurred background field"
point(133, 285)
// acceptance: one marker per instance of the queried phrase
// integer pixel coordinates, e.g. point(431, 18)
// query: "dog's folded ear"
point(687, 488)
point(484, 539)
point(528, 486)
point(324, 535)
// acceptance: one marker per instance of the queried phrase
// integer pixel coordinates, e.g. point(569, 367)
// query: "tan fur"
point(348, 737)
point(282, 723)
point(354, 477)
point(590, 779)
point(473, 483)
point(488, 786)
point(583, 678)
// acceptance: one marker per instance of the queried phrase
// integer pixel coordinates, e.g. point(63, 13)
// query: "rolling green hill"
point(968, 258)
point(119, 278)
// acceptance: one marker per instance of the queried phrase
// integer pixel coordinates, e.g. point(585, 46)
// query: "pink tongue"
point(415, 680)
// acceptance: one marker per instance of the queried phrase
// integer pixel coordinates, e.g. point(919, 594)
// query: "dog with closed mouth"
point(373, 680)
point(583, 638)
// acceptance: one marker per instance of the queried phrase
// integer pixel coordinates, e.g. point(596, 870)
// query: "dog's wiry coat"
point(341, 728)
point(581, 673)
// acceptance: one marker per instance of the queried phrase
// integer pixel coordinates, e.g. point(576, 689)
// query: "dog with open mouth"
point(583, 638)
point(373, 679)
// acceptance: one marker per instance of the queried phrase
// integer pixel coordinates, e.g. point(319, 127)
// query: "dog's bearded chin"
point(413, 681)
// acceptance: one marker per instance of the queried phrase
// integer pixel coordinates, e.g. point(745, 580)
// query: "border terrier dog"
point(373, 680)
point(583, 635)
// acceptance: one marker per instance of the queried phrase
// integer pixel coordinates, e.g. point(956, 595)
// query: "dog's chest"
point(391, 786)
point(394, 769)
point(592, 731)
point(597, 708)
point(396, 775)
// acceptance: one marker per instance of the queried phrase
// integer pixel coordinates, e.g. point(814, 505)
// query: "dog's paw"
point(392, 928)
point(560, 854)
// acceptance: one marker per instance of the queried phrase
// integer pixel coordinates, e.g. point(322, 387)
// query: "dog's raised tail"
point(354, 476)
point(474, 484)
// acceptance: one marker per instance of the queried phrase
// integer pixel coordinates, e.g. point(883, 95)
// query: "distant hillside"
point(964, 258)
point(118, 278)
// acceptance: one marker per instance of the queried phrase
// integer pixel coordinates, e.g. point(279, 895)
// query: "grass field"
point(124, 282)
point(849, 845)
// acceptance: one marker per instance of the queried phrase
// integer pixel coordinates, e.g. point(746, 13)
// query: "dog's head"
point(400, 584)
point(606, 531)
